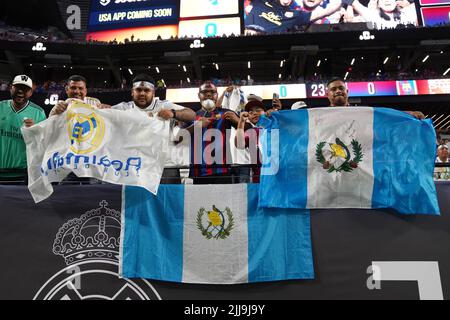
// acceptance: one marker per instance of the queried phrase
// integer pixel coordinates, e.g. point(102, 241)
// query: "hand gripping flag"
point(351, 158)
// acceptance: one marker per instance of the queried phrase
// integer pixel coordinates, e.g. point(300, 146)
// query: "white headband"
point(144, 84)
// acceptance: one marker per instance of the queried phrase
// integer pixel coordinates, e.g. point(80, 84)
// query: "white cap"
point(443, 146)
point(23, 79)
point(252, 96)
point(298, 105)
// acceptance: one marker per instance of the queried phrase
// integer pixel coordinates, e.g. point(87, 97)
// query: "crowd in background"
point(54, 35)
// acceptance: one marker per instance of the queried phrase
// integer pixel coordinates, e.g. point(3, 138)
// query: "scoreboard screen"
point(385, 88)
point(209, 27)
point(150, 19)
point(433, 2)
point(285, 91)
point(113, 14)
point(433, 16)
point(202, 8)
point(274, 16)
point(319, 90)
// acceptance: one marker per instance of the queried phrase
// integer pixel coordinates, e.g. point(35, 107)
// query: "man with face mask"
point(14, 114)
point(143, 99)
point(209, 152)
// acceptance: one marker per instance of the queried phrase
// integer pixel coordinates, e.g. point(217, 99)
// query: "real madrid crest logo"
point(337, 157)
point(218, 224)
point(85, 128)
point(90, 247)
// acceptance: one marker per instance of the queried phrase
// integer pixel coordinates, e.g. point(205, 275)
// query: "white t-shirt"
point(156, 106)
point(178, 155)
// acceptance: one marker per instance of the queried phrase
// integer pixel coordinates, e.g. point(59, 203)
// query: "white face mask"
point(208, 104)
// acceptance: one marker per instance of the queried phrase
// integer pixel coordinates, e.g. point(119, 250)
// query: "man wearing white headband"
point(143, 95)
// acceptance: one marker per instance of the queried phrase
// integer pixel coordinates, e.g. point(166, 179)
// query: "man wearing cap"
point(442, 173)
point(247, 137)
point(253, 96)
point(76, 88)
point(143, 99)
point(209, 152)
point(299, 105)
point(14, 114)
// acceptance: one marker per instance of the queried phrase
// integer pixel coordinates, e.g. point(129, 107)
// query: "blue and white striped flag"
point(212, 234)
point(350, 157)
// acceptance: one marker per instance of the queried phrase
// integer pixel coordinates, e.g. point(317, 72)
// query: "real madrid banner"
point(351, 158)
point(120, 147)
point(213, 234)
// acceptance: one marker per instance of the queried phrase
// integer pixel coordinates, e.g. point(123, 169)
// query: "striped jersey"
point(210, 157)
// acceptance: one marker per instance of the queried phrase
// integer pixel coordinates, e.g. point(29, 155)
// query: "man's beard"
point(15, 97)
point(340, 101)
point(142, 105)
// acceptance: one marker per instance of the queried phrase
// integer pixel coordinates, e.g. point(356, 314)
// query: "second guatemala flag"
point(350, 157)
point(212, 234)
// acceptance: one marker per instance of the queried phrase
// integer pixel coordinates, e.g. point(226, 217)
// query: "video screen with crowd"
point(278, 16)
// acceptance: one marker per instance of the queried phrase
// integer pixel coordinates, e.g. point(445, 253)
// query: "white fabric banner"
point(120, 147)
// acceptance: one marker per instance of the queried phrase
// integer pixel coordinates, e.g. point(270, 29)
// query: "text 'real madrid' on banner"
point(114, 146)
point(351, 157)
point(212, 234)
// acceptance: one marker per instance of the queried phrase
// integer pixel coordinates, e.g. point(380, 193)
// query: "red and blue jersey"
point(209, 153)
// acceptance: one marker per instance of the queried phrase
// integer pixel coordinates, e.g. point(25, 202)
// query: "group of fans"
point(278, 16)
point(223, 113)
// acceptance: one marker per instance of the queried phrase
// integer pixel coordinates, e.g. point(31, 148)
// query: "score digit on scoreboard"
point(356, 89)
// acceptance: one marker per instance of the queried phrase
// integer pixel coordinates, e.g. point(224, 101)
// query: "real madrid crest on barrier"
point(215, 224)
point(337, 157)
point(90, 248)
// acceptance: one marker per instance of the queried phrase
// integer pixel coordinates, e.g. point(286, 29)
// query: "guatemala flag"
point(212, 234)
point(350, 157)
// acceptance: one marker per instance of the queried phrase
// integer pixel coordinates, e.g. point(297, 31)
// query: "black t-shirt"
point(271, 17)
